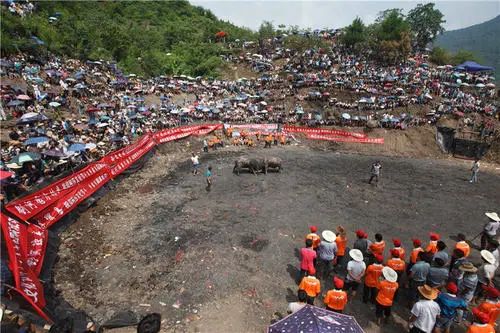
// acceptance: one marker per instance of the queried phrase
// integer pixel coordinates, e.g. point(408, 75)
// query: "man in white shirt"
point(490, 229)
point(355, 271)
point(475, 170)
point(195, 159)
point(425, 311)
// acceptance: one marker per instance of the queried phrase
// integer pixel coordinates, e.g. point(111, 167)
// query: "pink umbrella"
point(5, 174)
point(23, 97)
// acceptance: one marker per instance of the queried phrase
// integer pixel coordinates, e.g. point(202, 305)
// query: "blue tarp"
point(471, 66)
point(312, 319)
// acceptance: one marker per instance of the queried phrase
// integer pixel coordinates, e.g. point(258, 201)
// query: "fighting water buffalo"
point(258, 164)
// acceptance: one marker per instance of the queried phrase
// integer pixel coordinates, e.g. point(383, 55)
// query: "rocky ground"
point(226, 260)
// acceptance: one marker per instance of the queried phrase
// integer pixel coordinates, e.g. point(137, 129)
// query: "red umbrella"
point(221, 34)
point(92, 109)
point(23, 97)
point(5, 174)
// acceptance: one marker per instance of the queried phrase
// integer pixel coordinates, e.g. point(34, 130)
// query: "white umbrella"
point(490, 85)
point(480, 85)
point(90, 146)
point(55, 104)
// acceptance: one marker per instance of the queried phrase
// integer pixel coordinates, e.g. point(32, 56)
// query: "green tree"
point(391, 39)
point(426, 23)
point(440, 56)
point(266, 30)
point(462, 56)
point(354, 34)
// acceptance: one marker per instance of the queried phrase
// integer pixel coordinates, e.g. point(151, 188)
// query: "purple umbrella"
point(312, 319)
point(54, 153)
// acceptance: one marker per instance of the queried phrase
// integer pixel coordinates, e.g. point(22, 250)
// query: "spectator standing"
point(490, 229)
point(336, 299)
point(296, 306)
point(312, 286)
point(327, 250)
point(475, 171)
point(355, 271)
point(449, 304)
point(425, 311)
point(372, 276)
point(387, 289)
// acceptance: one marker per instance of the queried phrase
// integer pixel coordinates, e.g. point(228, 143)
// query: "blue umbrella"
point(25, 157)
point(28, 118)
point(36, 140)
point(76, 147)
point(80, 86)
point(54, 153)
point(316, 320)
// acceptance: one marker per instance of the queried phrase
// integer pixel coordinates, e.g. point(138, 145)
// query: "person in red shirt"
point(480, 323)
point(397, 246)
point(432, 246)
point(385, 297)
point(307, 257)
point(312, 286)
point(372, 276)
point(336, 299)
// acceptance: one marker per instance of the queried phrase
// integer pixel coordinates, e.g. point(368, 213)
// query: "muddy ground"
point(226, 260)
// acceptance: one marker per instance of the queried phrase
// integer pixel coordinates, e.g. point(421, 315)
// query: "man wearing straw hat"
point(385, 297)
point(490, 229)
point(425, 311)
point(467, 285)
point(326, 251)
point(486, 273)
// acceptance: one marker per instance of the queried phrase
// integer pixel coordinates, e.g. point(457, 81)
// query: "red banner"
point(26, 281)
point(30, 205)
point(264, 127)
point(204, 130)
point(308, 130)
point(70, 200)
point(118, 155)
point(37, 244)
point(173, 134)
point(345, 139)
point(126, 161)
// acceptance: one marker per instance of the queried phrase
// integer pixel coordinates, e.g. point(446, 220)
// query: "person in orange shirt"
point(378, 246)
point(341, 242)
point(372, 276)
point(397, 246)
point(417, 248)
point(314, 237)
point(396, 263)
point(480, 323)
point(462, 245)
point(432, 247)
point(491, 306)
point(312, 286)
point(385, 297)
point(336, 299)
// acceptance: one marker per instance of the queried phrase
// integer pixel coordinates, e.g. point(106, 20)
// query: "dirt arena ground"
point(226, 260)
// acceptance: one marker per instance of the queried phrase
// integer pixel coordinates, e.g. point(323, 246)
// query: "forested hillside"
point(481, 39)
point(144, 37)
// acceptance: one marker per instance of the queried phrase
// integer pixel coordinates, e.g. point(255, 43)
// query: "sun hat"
point(313, 228)
point(13, 166)
point(492, 215)
point(416, 242)
point(488, 256)
point(329, 236)
point(338, 283)
point(428, 292)
point(356, 255)
point(379, 258)
point(396, 242)
point(491, 292)
point(360, 233)
point(389, 274)
point(468, 267)
point(481, 316)
point(395, 253)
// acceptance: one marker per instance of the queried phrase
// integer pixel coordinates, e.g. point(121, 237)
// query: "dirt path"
point(225, 261)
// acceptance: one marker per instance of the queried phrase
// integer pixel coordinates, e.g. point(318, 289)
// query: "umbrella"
point(105, 118)
point(31, 117)
point(36, 140)
point(53, 153)
point(80, 86)
point(480, 85)
point(316, 320)
point(102, 125)
point(5, 174)
point(76, 147)
point(55, 104)
point(25, 157)
point(490, 85)
point(90, 146)
point(15, 103)
point(23, 97)
point(346, 116)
